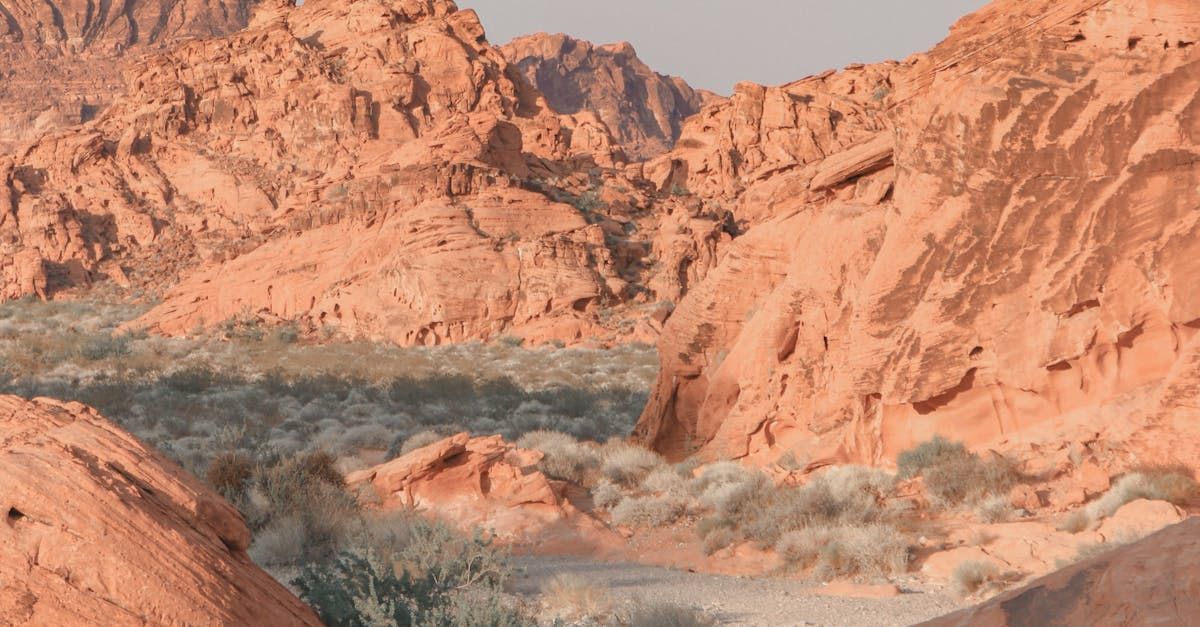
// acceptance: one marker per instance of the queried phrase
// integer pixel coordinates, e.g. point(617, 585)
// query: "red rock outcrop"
point(100, 529)
point(644, 110)
point(1019, 275)
point(372, 166)
point(61, 59)
point(481, 482)
point(1152, 582)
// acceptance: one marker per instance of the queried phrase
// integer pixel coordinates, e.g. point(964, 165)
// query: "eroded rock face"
point(1153, 581)
point(1027, 277)
point(100, 529)
point(644, 110)
point(376, 167)
point(62, 59)
point(482, 483)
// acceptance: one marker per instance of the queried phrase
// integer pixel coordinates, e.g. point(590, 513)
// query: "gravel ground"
point(732, 600)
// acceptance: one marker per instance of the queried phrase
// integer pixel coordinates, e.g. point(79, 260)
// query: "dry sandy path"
point(733, 600)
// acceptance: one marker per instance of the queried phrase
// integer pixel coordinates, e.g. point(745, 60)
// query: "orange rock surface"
point(644, 110)
point(62, 59)
point(100, 529)
point(376, 167)
point(483, 483)
point(1016, 273)
point(1151, 582)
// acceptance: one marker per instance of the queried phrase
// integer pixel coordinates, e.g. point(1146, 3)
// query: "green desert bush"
point(403, 569)
point(437, 578)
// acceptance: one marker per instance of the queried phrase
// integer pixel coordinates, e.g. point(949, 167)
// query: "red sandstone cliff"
point(643, 109)
point(99, 529)
point(998, 244)
point(61, 59)
point(374, 166)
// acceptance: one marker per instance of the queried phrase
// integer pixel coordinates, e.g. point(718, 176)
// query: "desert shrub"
point(973, 576)
point(568, 597)
point(280, 541)
point(230, 473)
point(104, 346)
point(361, 589)
point(736, 506)
point(954, 475)
point(606, 494)
point(651, 510)
point(564, 457)
point(1174, 486)
point(420, 440)
point(717, 538)
point(716, 476)
point(745, 505)
point(370, 436)
point(303, 495)
point(665, 479)
point(847, 495)
point(928, 454)
point(668, 615)
point(1076, 521)
point(873, 550)
point(627, 465)
point(996, 509)
point(477, 608)
point(405, 570)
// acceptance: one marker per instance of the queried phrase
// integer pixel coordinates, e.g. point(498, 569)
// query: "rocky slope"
point(373, 167)
point(486, 483)
point(992, 241)
point(643, 109)
point(1151, 582)
point(99, 529)
point(61, 60)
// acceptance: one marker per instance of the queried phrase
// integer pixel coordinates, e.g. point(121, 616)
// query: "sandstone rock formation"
point(1152, 582)
point(484, 483)
point(1016, 271)
point(375, 167)
point(61, 59)
point(99, 529)
point(644, 110)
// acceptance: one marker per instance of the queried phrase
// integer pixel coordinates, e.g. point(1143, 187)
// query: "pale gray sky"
point(716, 43)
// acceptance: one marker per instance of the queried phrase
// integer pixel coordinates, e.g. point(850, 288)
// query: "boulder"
point(483, 483)
point(1152, 582)
point(100, 529)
